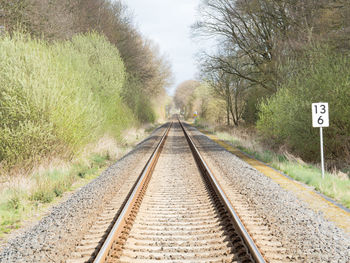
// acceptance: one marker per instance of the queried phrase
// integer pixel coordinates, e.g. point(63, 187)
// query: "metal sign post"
point(320, 118)
point(322, 158)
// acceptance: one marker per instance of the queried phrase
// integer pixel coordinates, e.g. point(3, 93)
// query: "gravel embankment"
point(308, 236)
point(55, 236)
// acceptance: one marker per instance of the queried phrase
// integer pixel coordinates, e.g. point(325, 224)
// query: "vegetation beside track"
point(21, 202)
point(27, 197)
point(285, 118)
point(68, 81)
point(335, 185)
point(55, 100)
point(68, 78)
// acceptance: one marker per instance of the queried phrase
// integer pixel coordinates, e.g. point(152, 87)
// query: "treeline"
point(273, 59)
point(72, 71)
point(148, 71)
point(191, 96)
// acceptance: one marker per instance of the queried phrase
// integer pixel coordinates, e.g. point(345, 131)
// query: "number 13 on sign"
point(320, 119)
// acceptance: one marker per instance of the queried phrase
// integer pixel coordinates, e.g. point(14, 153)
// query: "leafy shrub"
point(320, 76)
point(56, 98)
point(138, 102)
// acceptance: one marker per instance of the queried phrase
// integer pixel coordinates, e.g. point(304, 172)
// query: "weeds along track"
point(176, 212)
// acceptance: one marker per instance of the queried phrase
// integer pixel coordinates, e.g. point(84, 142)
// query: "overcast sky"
point(167, 22)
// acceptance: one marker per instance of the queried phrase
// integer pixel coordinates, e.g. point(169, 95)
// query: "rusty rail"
point(237, 223)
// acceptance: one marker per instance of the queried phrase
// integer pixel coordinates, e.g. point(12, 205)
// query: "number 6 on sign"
point(320, 116)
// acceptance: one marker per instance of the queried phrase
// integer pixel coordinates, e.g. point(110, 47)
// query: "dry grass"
point(23, 195)
point(132, 135)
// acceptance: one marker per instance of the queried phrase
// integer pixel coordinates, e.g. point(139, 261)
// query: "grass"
point(25, 197)
point(332, 185)
point(335, 185)
point(17, 204)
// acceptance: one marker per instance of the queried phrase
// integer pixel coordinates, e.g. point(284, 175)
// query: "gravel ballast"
point(308, 236)
point(54, 237)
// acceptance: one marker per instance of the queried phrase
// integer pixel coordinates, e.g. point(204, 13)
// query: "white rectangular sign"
point(320, 116)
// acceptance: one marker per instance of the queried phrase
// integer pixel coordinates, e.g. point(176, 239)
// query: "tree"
point(228, 88)
point(256, 38)
point(246, 33)
point(263, 34)
point(148, 71)
point(184, 97)
point(285, 118)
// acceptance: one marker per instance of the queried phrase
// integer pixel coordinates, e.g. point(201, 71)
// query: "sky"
point(167, 23)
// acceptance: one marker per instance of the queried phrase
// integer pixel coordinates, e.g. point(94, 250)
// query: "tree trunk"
point(227, 113)
point(234, 119)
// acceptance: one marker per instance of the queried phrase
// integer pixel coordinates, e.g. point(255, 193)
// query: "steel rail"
point(139, 186)
point(240, 228)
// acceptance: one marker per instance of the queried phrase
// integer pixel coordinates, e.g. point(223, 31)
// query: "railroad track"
point(176, 212)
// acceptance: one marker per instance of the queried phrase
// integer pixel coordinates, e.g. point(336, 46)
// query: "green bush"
point(137, 101)
point(56, 98)
point(320, 76)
